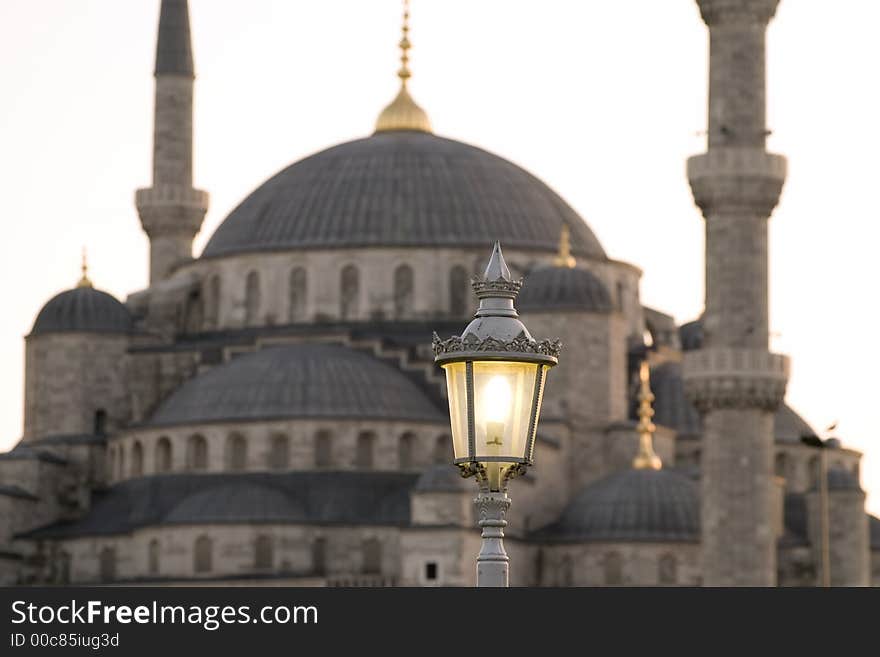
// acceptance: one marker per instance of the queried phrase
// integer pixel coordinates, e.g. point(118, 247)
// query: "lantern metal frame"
point(496, 334)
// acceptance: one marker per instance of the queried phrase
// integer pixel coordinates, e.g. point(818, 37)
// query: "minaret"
point(734, 380)
point(171, 210)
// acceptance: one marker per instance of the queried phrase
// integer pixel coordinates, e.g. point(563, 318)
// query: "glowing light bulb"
point(497, 399)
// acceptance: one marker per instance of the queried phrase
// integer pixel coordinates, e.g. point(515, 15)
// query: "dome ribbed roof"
point(632, 505)
point(298, 381)
point(401, 188)
point(83, 309)
point(564, 288)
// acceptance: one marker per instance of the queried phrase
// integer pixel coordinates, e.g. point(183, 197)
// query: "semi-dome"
point(237, 502)
point(560, 289)
point(632, 505)
point(691, 335)
point(83, 309)
point(298, 381)
point(401, 188)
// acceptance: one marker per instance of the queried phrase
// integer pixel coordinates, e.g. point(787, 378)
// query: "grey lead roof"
point(631, 505)
point(317, 498)
point(402, 189)
point(174, 45)
point(82, 309)
point(564, 289)
point(304, 380)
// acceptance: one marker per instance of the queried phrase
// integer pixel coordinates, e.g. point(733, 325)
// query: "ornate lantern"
point(495, 377)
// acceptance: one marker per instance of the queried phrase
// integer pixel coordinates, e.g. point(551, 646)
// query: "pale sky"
point(604, 101)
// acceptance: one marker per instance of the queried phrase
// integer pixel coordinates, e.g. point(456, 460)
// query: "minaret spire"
point(734, 380)
point(403, 113)
point(646, 459)
point(171, 210)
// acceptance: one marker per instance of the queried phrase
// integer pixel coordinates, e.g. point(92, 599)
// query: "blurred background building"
point(270, 411)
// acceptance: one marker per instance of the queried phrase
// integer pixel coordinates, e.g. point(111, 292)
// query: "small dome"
point(236, 503)
point(83, 309)
point(564, 289)
point(632, 505)
point(840, 478)
point(442, 478)
point(691, 335)
point(298, 381)
point(402, 188)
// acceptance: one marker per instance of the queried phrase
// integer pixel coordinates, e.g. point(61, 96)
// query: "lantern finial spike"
point(646, 459)
point(497, 269)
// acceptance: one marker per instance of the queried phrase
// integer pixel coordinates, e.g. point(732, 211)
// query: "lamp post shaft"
point(492, 562)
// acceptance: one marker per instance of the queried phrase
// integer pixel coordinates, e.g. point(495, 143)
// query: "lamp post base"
point(492, 562)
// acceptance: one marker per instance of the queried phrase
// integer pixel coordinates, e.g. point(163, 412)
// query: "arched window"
point(621, 296)
point(193, 312)
point(566, 572)
point(153, 557)
point(612, 566)
point(372, 556)
point(813, 471)
point(667, 570)
point(279, 452)
point(236, 452)
point(458, 291)
point(64, 560)
point(406, 451)
point(364, 450)
point(252, 298)
point(349, 292)
point(442, 450)
point(196, 453)
point(781, 465)
point(264, 552)
point(137, 459)
point(323, 449)
point(163, 455)
point(403, 291)
point(120, 464)
point(297, 292)
point(212, 302)
point(319, 556)
point(111, 463)
point(100, 422)
point(107, 564)
point(203, 557)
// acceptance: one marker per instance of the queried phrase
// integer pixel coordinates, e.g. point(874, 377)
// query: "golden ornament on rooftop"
point(403, 113)
point(646, 459)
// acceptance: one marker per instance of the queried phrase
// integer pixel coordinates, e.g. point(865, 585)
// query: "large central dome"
point(402, 188)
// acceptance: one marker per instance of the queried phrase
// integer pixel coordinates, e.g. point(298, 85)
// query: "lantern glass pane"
point(456, 387)
point(503, 395)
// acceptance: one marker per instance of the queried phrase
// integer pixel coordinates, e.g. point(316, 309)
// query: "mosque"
point(270, 412)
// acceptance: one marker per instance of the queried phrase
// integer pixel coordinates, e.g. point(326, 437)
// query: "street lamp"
point(495, 377)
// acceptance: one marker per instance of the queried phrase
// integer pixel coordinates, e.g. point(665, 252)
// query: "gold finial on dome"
point(84, 281)
point(646, 459)
point(564, 257)
point(403, 113)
